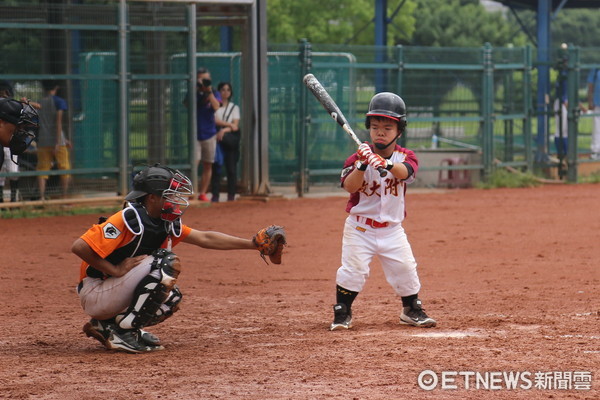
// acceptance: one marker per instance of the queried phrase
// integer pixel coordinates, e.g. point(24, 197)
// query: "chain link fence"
point(469, 109)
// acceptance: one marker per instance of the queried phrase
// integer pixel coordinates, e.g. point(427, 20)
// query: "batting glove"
point(364, 151)
point(376, 161)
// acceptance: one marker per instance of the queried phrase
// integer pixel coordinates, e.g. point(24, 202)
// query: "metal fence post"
point(192, 100)
point(303, 120)
point(573, 112)
point(527, 107)
point(487, 111)
point(400, 60)
point(123, 100)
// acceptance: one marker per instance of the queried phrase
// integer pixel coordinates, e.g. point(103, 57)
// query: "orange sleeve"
point(106, 237)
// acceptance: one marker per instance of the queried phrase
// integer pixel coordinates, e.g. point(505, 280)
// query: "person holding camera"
point(208, 102)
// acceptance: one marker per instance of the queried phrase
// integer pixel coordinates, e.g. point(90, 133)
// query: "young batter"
point(376, 210)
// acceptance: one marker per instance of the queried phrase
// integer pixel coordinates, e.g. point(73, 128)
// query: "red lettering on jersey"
point(391, 187)
point(374, 187)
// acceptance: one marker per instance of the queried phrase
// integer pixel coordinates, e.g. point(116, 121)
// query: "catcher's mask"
point(25, 117)
point(173, 186)
point(387, 105)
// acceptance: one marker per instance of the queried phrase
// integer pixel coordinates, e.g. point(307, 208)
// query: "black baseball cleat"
point(149, 338)
point(342, 318)
point(130, 341)
point(99, 330)
point(415, 316)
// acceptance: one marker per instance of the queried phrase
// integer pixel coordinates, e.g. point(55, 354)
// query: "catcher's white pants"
point(103, 299)
point(362, 242)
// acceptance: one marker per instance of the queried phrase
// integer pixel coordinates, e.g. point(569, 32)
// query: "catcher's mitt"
point(269, 241)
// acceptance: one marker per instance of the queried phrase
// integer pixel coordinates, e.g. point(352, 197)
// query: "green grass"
point(37, 212)
point(592, 178)
point(505, 179)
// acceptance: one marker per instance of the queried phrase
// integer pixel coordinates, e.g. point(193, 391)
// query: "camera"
point(205, 83)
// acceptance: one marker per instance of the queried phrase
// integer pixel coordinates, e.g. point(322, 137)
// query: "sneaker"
point(202, 197)
point(129, 341)
point(415, 316)
point(99, 330)
point(342, 318)
point(149, 338)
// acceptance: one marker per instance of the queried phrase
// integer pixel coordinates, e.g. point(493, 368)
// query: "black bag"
point(231, 140)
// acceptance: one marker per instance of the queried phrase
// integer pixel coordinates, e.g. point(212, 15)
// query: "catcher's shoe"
point(149, 338)
point(99, 330)
point(130, 341)
point(415, 316)
point(342, 319)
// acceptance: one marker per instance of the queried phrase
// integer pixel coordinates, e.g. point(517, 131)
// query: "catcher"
point(129, 272)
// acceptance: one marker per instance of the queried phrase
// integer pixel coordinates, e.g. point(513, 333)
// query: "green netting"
point(445, 101)
point(95, 130)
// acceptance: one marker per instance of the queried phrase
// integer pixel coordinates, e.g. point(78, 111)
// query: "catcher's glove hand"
point(269, 241)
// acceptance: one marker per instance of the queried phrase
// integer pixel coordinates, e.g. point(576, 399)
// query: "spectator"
point(208, 102)
point(560, 114)
point(52, 142)
point(594, 106)
point(228, 137)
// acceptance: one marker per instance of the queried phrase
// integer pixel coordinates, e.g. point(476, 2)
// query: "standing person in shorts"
point(208, 102)
point(52, 141)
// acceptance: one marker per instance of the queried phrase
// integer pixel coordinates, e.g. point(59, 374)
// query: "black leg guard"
point(147, 298)
point(170, 306)
point(153, 291)
point(165, 261)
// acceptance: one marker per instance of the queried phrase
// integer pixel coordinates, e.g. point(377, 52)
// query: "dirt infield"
point(511, 275)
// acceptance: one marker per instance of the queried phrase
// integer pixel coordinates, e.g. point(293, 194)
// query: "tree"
point(576, 26)
point(336, 21)
point(461, 23)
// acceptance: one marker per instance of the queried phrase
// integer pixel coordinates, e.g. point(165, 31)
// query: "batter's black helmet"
point(387, 105)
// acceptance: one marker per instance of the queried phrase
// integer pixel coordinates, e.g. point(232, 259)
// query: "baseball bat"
point(332, 108)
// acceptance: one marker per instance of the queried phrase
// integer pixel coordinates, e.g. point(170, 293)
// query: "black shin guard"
point(170, 306)
point(147, 299)
point(154, 291)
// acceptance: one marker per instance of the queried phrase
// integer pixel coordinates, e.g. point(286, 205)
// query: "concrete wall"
point(441, 158)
